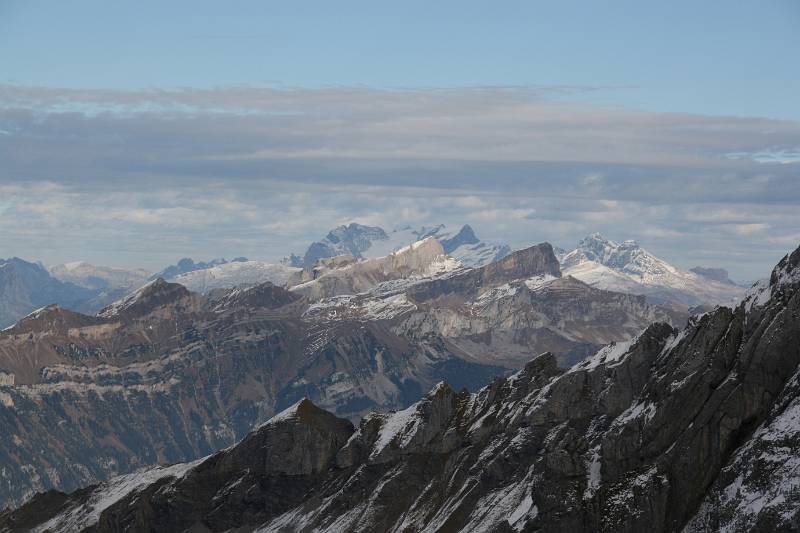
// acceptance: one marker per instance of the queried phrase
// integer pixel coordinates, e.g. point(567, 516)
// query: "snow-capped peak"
point(153, 293)
point(368, 242)
point(627, 257)
point(627, 267)
point(785, 275)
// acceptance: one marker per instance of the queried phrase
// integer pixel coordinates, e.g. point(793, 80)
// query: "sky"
point(132, 134)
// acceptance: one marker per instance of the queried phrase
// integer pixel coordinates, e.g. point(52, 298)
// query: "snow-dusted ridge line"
point(109, 493)
point(126, 302)
point(235, 273)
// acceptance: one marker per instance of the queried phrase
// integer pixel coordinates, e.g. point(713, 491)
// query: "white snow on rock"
point(233, 274)
point(593, 477)
point(613, 353)
point(635, 411)
point(523, 509)
point(765, 475)
point(398, 429)
point(290, 413)
point(539, 282)
point(469, 254)
point(386, 308)
point(126, 302)
point(627, 267)
point(107, 494)
point(757, 296)
point(91, 276)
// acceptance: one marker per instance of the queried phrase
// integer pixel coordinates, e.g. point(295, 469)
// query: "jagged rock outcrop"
point(465, 236)
point(692, 430)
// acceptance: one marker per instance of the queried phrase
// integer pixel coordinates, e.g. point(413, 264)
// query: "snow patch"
point(398, 428)
point(236, 273)
point(593, 477)
point(107, 494)
point(613, 353)
point(524, 508)
point(637, 410)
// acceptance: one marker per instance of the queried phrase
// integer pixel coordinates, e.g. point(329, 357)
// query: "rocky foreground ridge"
point(694, 430)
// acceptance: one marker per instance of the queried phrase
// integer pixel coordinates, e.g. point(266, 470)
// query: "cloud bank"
point(141, 177)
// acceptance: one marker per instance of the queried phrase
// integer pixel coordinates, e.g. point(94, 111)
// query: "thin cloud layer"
point(140, 177)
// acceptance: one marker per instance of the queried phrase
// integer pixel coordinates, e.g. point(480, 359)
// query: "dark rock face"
point(693, 430)
point(534, 261)
point(465, 236)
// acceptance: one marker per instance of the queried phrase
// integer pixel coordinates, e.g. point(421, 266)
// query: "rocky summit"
point(695, 429)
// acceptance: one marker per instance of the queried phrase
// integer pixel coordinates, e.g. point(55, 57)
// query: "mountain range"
point(691, 429)
point(166, 374)
point(599, 262)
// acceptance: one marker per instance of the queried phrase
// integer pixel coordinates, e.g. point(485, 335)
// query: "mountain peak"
point(156, 293)
point(532, 261)
point(303, 411)
point(50, 318)
point(787, 271)
point(596, 240)
point(626, 256)
point(626, 266)
point(352, 239)
point(465, 236)
point(353, 232)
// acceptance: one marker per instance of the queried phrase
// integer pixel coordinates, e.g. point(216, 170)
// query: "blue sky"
point(732, 58)
point(135, 133)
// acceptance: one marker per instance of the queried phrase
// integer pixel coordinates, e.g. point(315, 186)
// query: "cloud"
point(748, 230)
point(141, 177)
